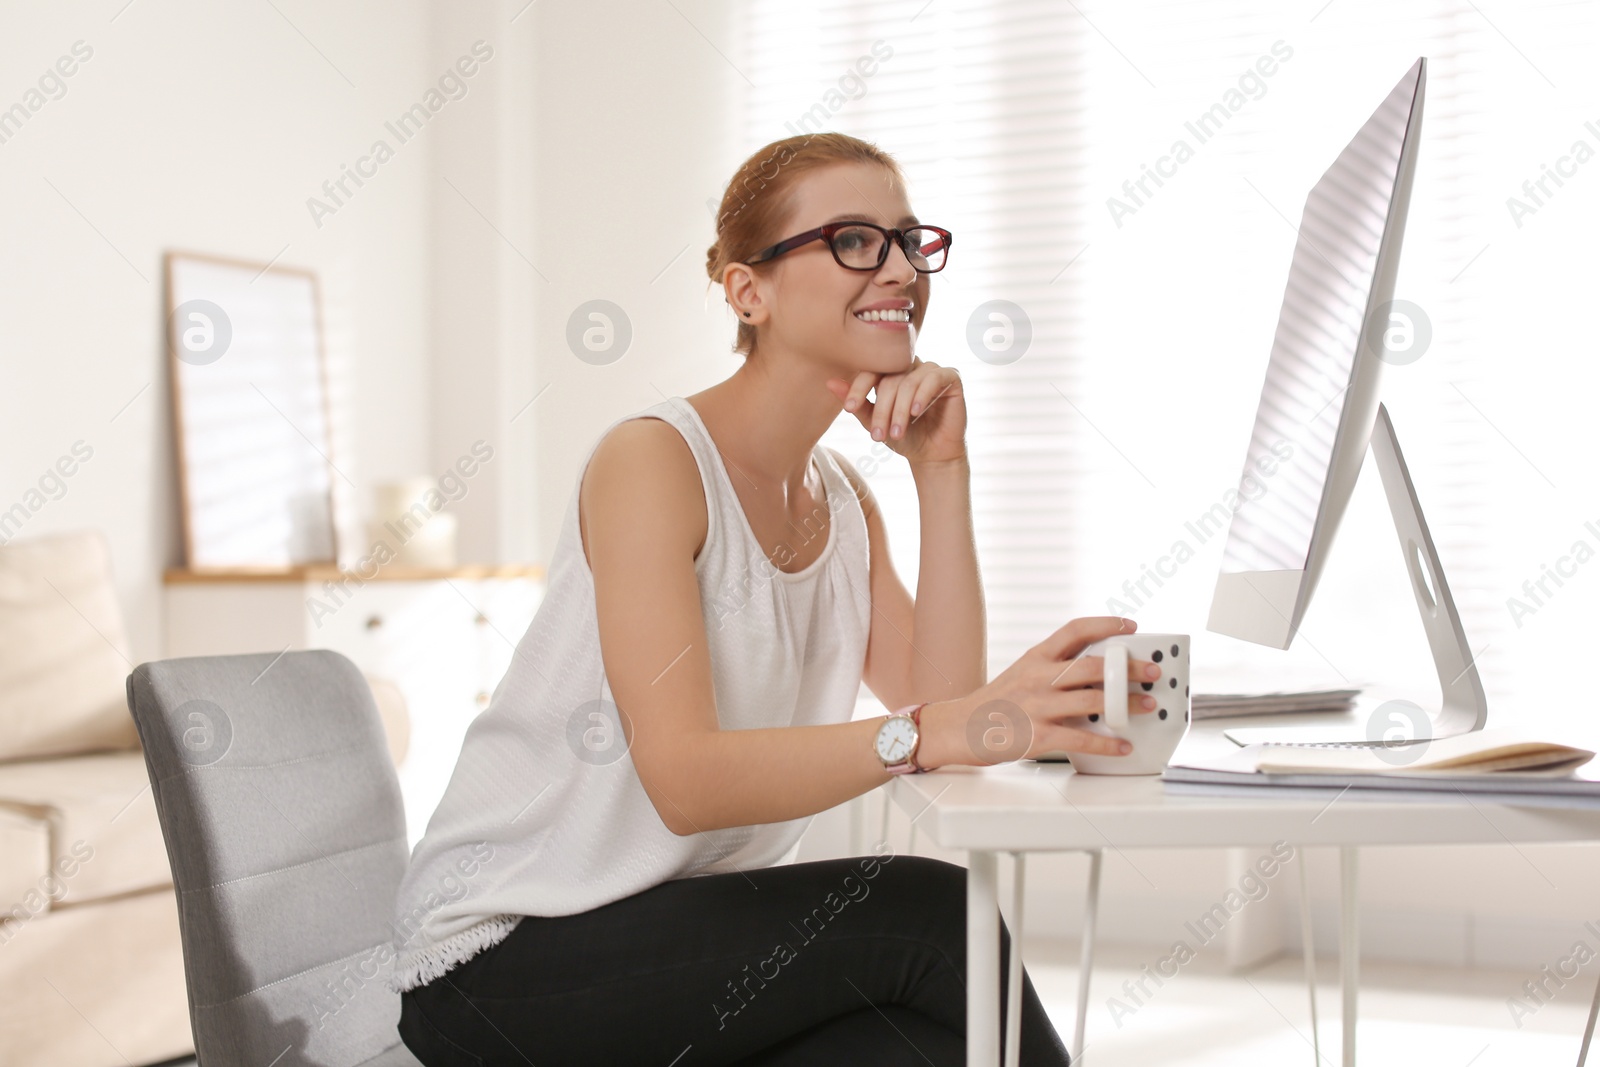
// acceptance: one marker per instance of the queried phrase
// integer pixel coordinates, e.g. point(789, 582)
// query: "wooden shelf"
point(318, 572)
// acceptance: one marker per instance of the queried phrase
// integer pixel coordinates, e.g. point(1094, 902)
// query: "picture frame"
point(252, 423)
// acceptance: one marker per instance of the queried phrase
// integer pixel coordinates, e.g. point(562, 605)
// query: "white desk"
point(1032, 807)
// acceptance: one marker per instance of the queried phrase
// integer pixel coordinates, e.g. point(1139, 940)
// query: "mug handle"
point(1116, 685)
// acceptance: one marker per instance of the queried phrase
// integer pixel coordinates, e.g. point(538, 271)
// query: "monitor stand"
point(1463, 708)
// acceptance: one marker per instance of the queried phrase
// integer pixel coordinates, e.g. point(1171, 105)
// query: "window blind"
point(1046, 137)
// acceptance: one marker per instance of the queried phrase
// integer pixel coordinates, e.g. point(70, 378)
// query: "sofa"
point(91, 967)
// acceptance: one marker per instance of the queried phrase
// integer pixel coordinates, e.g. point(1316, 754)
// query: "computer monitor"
point(1320, 399)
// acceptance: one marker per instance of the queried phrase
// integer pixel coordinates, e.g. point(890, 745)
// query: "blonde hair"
point(759, 200)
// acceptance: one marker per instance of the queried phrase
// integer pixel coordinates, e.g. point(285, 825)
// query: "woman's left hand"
point(920, 413)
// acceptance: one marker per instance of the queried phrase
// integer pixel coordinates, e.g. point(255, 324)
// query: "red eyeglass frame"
point(891, 238)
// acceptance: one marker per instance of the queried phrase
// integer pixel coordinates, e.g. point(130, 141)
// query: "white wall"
point(600, 133)
point(201, 127)
point(482, 296)
point(635, 121)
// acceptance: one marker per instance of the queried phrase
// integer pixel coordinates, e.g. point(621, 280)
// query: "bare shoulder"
point(642, 484)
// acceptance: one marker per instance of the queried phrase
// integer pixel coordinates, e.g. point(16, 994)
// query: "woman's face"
point(810, 302)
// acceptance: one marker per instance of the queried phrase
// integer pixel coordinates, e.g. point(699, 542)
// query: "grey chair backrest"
point(287, 840)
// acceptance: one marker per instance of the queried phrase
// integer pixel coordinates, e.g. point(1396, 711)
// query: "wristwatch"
point(898, 738)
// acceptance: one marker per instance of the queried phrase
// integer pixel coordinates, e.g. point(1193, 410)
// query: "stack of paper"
point(1493, 761)
point(1217, 705)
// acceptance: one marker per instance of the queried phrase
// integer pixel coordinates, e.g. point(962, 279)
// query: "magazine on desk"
point(1487, 761)
point(1279, 702)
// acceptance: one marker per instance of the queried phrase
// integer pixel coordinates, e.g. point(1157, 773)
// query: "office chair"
point(287, 838)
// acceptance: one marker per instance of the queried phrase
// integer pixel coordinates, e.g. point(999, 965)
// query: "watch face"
point(895, 739)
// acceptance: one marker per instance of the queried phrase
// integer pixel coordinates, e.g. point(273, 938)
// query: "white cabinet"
point(445, 637)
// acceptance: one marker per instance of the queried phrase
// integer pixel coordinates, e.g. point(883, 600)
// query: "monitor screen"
point(1320, 329)
point(1320, 397)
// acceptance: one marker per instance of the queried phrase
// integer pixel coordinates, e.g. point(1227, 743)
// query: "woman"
point(609, 878)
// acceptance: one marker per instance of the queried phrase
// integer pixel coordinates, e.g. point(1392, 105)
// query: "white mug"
point(1155, 734)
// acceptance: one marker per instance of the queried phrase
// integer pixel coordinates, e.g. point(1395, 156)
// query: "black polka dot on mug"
point(1174, 651)
point(1156, 655)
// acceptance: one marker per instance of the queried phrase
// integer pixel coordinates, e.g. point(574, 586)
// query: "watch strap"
point(909, 765)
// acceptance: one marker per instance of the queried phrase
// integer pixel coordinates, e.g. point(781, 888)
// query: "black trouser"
point(843, 961)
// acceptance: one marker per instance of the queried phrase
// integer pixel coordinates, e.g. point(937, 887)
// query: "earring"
point(747, 314)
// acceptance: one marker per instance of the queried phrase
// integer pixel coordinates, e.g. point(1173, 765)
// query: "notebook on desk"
point(1278, 702)
point(1486, 761)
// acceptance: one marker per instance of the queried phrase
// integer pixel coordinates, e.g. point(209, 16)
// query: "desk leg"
point(1308, 951)
point(983, 960)
point(1091, 907)
point(1349, 948)
point(1019, 867)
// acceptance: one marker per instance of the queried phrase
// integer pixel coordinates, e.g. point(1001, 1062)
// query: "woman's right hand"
point(1034, 705)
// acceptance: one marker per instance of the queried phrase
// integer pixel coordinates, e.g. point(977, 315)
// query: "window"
point(1147, 279)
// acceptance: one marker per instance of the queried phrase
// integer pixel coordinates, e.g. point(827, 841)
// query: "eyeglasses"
point(864, 246)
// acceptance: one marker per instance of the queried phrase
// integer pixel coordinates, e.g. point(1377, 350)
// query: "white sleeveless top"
point(544, 813)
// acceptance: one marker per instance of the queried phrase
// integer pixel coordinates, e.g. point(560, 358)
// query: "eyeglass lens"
point(859, 246)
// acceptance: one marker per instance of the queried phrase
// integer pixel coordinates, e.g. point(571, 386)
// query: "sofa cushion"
point(396, 717)
point(24, 859)
point(63, 653)
point(103, 834)
point(100, 986)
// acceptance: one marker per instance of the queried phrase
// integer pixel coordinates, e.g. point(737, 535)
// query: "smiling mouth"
point(894, 315)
